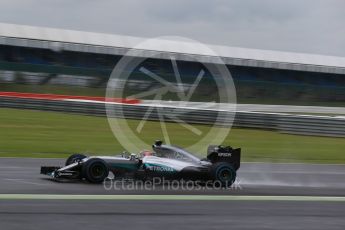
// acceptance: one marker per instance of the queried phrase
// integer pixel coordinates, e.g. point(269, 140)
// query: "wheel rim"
point(97, 171)
point(225, 174)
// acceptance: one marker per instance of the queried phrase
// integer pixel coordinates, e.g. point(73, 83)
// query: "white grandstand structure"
point(49, 38)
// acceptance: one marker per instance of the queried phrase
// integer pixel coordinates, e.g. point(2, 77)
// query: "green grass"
point(26, 133)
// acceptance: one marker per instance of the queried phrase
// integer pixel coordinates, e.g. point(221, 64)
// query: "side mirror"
point(158, 143)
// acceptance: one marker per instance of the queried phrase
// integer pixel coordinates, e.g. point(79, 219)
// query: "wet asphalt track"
point(21, 176)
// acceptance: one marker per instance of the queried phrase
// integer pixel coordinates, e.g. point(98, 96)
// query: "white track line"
point(170, 197)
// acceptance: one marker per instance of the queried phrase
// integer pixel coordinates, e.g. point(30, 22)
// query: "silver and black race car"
point(165, 161)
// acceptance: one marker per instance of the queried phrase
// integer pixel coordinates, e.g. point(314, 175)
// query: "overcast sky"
point(309, 26)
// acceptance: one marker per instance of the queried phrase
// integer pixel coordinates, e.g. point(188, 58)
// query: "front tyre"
point(74, 158)
point(223, 174)
point(95, 170)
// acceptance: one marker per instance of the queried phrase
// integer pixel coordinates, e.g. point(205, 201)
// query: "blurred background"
point(290, 105)
point(41, 69)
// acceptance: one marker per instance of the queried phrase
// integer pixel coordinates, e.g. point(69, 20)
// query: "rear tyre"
point(95, 170)
point(74, 158)
point(223, 174)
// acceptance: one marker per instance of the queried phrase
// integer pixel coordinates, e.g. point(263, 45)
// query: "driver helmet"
point(146, 153)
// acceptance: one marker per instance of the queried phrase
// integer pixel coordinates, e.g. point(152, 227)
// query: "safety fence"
point(284, 123)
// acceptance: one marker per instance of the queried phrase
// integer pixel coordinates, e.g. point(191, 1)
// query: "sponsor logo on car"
point(159, 168)
point(224, 154)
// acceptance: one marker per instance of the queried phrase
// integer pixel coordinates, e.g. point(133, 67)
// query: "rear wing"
point(224, 154)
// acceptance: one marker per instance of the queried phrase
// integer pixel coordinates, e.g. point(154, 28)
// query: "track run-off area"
point(269, 196)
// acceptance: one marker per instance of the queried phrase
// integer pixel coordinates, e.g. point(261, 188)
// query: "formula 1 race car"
point(165, 161)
